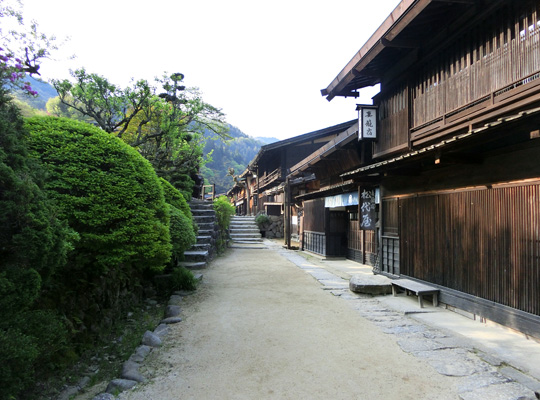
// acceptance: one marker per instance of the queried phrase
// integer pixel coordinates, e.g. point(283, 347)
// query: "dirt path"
point(261, 328)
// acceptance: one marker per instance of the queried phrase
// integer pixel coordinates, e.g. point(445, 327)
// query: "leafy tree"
point(166, 128)
point(112, 198)
point(56, 108)
point(111, 107)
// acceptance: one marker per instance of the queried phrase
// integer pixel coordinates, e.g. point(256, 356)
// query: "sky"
point(262, 62)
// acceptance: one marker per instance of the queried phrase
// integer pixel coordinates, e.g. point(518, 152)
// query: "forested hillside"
point(236, 153)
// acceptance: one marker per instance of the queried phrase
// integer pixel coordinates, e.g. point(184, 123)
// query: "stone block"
point(370, 284)
point(151, 339)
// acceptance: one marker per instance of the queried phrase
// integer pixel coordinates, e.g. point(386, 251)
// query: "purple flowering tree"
point(22, 48)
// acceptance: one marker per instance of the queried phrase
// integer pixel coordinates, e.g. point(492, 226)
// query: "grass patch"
point(183, 279)
point(103, 362)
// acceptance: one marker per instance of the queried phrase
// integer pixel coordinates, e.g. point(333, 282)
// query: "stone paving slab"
point(505, 391)
point(480, 376)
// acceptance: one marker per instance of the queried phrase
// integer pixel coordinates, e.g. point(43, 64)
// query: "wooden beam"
point(398, 20)
point(461, 159)
point(456, 1)
point(402, 44)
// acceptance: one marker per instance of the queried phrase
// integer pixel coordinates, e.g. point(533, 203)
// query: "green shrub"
point(224, 211)
point(183, 229)
point(184, 184)
point(262, 219)
point(111, 196)
point(34, 244)
point(183, 279)
point(182, 234)
point(175, 198)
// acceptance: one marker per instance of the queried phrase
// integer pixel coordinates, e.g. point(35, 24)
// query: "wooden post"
point(287, 213)
point(248, 207)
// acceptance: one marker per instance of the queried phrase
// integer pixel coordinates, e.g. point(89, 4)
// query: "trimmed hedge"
point(182, 234)
point(33, 245)
point(111, 196)
point(175, 198)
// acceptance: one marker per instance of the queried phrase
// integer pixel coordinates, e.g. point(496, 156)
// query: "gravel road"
point(261, 328)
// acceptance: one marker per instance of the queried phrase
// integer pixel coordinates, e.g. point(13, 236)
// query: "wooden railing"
point(272, 176)
point(459, 78)
point(314, 242)
point(208, 192)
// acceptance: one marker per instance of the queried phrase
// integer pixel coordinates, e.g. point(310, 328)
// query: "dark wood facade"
point(457, 153)
point(267, 172)
point(330, 230)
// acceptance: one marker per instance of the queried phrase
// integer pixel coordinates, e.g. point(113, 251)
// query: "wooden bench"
point(418, 288)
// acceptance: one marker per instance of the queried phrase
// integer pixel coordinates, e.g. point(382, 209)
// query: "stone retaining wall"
point(273, 228)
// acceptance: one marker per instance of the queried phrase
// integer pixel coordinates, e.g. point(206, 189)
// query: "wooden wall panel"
point(314, 215)
point(485, 243)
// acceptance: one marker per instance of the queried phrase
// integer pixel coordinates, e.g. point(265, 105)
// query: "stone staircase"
point(204, 250)
point(244, 230)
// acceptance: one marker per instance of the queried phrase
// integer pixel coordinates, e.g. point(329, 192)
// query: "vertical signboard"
point(367, 121)
point(368, 215)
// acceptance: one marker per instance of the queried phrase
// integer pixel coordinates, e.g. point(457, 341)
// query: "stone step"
point(203, 213)
point(199, 202)
point(201, 246)
point(204, 239)
point(243, 226)
point(206, 225)
point(245, 230)
point(207, 232)
point(247, 240)
point(193, 265)
point(195, 255)
point(245, 235)
point(203, 219)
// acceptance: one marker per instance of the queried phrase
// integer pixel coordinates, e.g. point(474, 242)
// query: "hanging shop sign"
point(367, 122)
point(368, 214)
point(341, 200)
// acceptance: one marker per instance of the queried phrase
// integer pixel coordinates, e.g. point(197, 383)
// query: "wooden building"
point(243, 195)
point(262, 183)
point(456, 157)
point(330, 224)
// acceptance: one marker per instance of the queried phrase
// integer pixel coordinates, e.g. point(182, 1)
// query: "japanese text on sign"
point(369, 123)
point(367, 209)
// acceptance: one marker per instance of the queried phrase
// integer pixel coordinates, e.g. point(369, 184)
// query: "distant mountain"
point(44, 89)
point(236, 153)
point(267, 140)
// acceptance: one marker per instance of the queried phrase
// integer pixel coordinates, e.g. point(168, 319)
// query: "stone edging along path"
point(130, 375)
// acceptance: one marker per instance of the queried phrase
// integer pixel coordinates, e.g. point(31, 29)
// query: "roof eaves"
point(343, 138)
point(388, 30)
point(299, 138)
